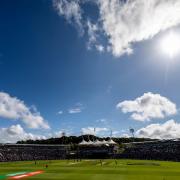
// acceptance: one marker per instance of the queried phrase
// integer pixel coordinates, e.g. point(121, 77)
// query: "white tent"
point(97, 142)
point(90, 142)
point(83, 142)
point(104, 142)
point(110, 141)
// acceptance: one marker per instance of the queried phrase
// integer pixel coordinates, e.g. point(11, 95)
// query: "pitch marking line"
point(15, 174)
point(26, 175)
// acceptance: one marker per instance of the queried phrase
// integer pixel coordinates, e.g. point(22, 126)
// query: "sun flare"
point(170, 44)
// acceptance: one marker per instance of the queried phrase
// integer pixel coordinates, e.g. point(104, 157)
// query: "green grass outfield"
point(94, 170)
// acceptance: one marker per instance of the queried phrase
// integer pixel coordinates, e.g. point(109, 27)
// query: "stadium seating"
point(16, 152)
point(157, 150)
point(152, 150)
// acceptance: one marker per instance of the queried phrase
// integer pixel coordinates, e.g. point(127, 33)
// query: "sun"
point(170, 44)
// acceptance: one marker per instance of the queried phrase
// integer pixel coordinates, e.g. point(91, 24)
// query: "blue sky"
point(72, 76)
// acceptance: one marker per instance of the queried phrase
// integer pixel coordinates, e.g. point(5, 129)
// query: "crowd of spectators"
point(157, 150)
point(14, 152)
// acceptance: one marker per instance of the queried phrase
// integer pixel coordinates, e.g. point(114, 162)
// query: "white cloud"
point(123, 23)
point(55, 134)
point(76, 109)
point(60, 112)
point(168, 130)
point(16, 133)
point(136, 20)
point(103, 120)
point(92, 130)
point(71, 10)
point(125, 135)
point(99, 47)
point(149, 106)
point(92, 30)
point(15, 109)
